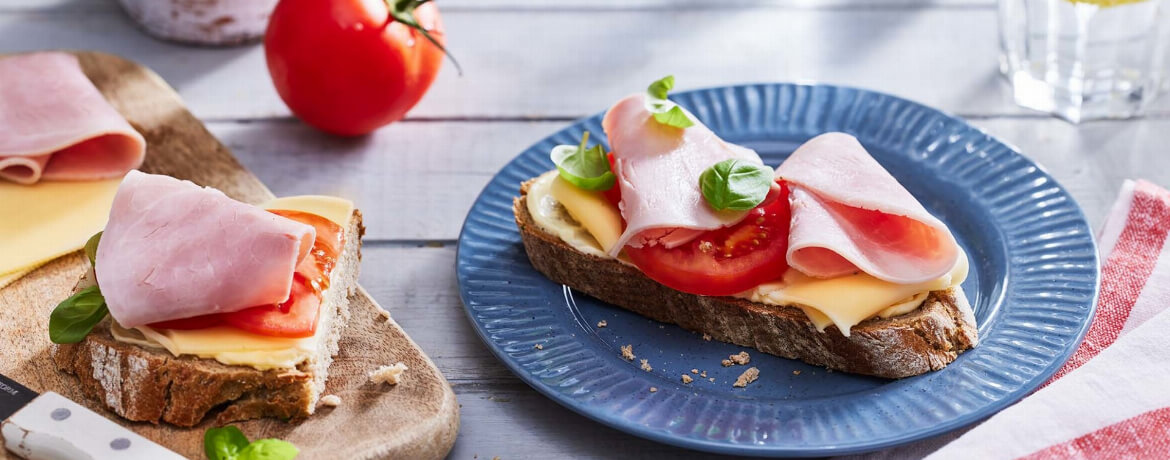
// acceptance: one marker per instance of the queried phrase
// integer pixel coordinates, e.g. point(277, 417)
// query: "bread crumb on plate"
point(795, 372)
point(741, 358)
point(628, 352)
point(726, 363)
point(703, 374)
point(687, 379)
point(538, 346)
point(748, 376)
point(602, 323)
point(653, 389)
point(646, 366)
point(391, 374)
point(694, 371)
point(331, 400)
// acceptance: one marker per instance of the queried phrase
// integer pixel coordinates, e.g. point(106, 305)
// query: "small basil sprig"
point(229, 443)
point(91, 248)
point(735, 185)
point(665, 112)
point(75, 317)
point(586, 168)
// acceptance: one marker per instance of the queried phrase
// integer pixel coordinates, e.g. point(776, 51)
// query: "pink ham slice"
point(658, 170)
point(175, 250)
point(849, 214)
point(57, 126)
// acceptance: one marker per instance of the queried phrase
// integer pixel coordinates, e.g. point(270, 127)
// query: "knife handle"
point(52, 427)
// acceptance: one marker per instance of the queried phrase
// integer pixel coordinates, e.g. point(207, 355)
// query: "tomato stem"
point(403, 12)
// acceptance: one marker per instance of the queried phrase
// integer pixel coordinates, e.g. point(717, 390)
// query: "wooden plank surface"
point(944, 57)
point(523, 58)
point(417, 418)
point(419, 178)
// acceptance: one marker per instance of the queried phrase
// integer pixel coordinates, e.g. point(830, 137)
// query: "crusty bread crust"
point(151, 385)
point(924, 340)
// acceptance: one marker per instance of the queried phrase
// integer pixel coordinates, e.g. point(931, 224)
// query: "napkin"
point(1112, 398)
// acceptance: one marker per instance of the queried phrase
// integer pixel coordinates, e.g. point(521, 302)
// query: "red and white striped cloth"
point(1112, 398)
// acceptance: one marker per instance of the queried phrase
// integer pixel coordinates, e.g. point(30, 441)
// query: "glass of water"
point(1084, 59)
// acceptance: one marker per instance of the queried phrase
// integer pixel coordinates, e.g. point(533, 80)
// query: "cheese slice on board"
point(41, 222)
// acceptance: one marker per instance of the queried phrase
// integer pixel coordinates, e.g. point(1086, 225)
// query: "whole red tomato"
point(351, 66)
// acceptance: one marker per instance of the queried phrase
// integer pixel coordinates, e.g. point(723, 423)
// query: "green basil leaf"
point(666, 112)
point(74, 317)
point(674, 117)
point(269, 449)
point(91, 248)
point(224, 443)
point(586, 168)
point(736, 185)
point(659, 88)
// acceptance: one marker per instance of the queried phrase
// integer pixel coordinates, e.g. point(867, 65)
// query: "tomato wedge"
point(187, 324)
point(614, 194)
point(297, 316)
point(728, 260)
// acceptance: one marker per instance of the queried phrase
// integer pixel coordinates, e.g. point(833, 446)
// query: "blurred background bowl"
point(202, 22)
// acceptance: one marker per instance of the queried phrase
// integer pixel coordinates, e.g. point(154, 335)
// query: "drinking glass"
point(1084, 59)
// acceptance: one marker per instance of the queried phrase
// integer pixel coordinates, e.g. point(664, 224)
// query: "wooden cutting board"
point(418, 418)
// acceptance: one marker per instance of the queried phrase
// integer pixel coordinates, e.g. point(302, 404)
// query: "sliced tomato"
point(296, 317)
point(614, 194)
point(186, 324)
point(728, 260)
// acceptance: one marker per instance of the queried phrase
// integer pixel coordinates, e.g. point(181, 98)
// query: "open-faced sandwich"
point(199, 304)
point(826, 259)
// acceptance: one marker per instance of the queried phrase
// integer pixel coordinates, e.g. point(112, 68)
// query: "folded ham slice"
point(175, 250)
point(658, 169)
point(849, 214)
point(57, 126)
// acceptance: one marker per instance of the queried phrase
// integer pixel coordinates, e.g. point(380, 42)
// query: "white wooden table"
point(531, 66)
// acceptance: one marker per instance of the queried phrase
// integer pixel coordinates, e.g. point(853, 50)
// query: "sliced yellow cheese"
point(553, 218)
point(338, 210)
point(236, 347)
point(591, 210)
point(851, 299)
point(233, 346)
point(47, 220)
point(9, 278)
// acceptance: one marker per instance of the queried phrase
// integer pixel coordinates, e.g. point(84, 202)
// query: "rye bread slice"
point(152, 385)
point(924, 340)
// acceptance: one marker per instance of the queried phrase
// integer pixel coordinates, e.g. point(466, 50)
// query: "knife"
point(51, 427)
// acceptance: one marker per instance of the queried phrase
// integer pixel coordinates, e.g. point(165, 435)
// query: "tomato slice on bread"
point(297, 316)
point(728, 260)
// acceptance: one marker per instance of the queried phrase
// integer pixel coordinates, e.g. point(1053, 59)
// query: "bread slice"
point(924, 340)
point(151, 385)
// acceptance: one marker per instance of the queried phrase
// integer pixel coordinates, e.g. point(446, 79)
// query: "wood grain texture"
point(523, 62)
point(416, 419)
point(417, 180)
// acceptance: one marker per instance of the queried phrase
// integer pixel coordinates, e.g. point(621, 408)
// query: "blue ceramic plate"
point(1033, 285)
